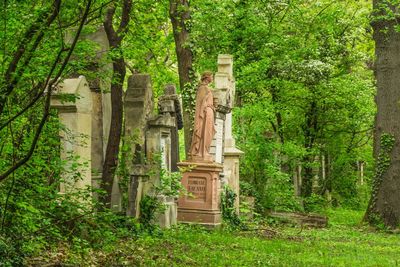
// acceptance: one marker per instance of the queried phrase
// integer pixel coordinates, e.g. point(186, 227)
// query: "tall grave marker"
point(76, 116)
point(138, 108)
point(224, 79)
point(201, 204)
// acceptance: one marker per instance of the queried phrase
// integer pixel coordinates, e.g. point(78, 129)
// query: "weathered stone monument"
point(220, 163)
point(161, 140)
point(73, 100)
point(224, 80)
point(100, 84)
point(138, 108)
point(152, 146)
point(201, 204)
point(170, 104)
point(100, 105)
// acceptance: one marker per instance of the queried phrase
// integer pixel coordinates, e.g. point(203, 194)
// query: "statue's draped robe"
point(204, 129)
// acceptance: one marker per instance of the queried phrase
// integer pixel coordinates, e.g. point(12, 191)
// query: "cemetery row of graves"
point(199, 133)
point(152, 158)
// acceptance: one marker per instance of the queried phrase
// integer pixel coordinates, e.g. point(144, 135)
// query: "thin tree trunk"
point(115, 39)
point(384, 205)
point(180, 15)
point(310, 130)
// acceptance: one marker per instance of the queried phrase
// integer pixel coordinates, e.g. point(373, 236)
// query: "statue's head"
point(207, 77)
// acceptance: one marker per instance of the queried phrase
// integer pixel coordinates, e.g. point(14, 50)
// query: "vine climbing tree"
point(384, 206)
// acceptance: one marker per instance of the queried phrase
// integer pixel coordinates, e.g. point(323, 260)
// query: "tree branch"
point(50, 86)
point(12, 76)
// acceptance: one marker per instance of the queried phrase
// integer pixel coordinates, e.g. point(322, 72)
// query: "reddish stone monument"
point(201, 203)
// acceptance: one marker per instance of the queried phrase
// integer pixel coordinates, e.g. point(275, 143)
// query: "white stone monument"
point(224, 81)
point(72, 98)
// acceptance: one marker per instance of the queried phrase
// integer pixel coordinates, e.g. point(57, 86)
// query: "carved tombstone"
point(72, 98)
point(160, 135)
point(153, 138)
point(201, 204)
point(99, 71)
point(138, 107)
point(223, 109)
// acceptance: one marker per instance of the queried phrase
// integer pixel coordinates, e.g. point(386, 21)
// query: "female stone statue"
point(204, 130)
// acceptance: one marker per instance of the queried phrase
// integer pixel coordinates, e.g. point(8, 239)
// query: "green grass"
point(344, 243)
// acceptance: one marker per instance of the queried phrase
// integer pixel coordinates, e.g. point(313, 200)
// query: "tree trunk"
point(306, 185)
point(310, 131)
point(180, 15)
point(384, 205)
point(115, 39)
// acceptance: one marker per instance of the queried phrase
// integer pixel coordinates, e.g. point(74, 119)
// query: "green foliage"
point(228, 210)
point(149, 206)
point(149, 44)
point(170, 183)
point(387, 142)
point(304, 89)
point(304, 92)
point(35, 216)
point(279, 194)
point(315, 203)
point(343, 243)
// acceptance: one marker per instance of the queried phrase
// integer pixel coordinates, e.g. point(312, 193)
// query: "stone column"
point(138, 107)
point(221, 111)
point(224, 80)
point(76, 116)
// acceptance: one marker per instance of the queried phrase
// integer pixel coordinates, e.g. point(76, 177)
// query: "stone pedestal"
point(201, 203)
point(231, 171)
